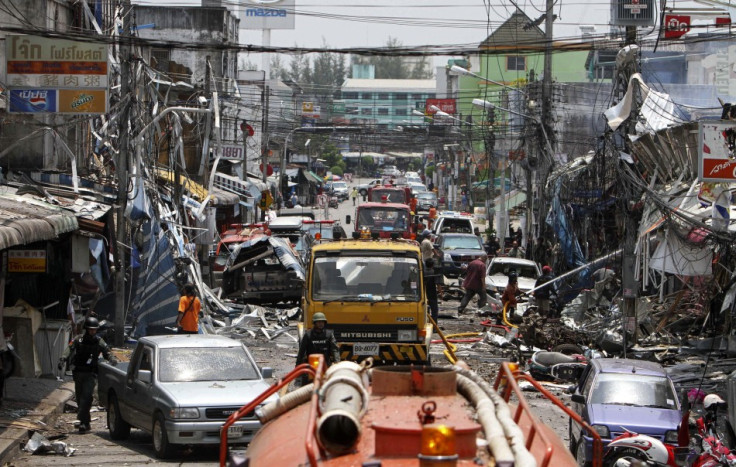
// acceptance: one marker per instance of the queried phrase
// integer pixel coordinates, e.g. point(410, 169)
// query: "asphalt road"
point(96, 447)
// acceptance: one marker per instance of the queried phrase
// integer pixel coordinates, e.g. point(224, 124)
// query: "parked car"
point(181, 389)
point(614, 395)
point(364, 187)
point(457, 251)
point(340, 190)
point(426, 200)
point(499, 268)
point(417, 188)
point(390, 171)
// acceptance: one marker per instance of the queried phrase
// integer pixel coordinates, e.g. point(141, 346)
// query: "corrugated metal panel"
point(22, 222)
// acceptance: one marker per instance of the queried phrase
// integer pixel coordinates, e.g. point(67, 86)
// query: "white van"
point(449, 221)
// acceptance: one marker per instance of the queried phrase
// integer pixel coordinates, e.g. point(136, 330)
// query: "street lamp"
point(462, 71)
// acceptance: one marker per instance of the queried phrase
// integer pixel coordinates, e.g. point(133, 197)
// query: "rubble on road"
point(39, 444)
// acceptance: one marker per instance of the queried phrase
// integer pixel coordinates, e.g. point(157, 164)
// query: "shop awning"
point(312, 177)
point(26, 219)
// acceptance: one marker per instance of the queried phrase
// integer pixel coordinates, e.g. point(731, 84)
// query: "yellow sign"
point(27, 261)
point(86, 101)
point(307, 107)
point(266, 199)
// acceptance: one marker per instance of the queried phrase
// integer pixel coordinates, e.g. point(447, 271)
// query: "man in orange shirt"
point(187, 322)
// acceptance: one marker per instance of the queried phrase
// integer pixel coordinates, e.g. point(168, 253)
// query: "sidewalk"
point(29, 403)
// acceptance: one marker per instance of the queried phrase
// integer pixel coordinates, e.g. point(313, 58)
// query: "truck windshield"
point(392, 195)
point(179, 365)
point(383, 218)
point(366, 278)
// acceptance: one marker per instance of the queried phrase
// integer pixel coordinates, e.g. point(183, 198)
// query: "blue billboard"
point(33, 100)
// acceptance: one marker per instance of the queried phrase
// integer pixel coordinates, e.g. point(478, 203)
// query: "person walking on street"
point(319, 340)
point(493, 247)
point(354, 195)
point(464, 202)
point(82, 354)
point(475, 283)
point(516, 251)
point(187, 321)
point(512, 291)
point(430, 288)
point(542, 295)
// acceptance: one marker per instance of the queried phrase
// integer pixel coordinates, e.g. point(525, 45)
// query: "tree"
point(394, 66)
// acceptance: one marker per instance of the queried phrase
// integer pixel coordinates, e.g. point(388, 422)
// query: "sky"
point(370, 23)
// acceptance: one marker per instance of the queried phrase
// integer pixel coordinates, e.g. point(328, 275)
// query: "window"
point(418, 96)
point(367, 96)
point(351, 110)
point(431, 96)
point(400, 96)
point(383, 96)
point(366, 111)
point(400, 112)
point(350, 95)
point(161, 59)
point(382, 111)
point(516, 63)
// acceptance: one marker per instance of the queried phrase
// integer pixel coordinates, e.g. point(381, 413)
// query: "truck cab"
point(373, 296)
point(385, 219)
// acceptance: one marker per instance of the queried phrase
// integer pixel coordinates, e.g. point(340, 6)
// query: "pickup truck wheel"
point(119, 428)
point(161, 444)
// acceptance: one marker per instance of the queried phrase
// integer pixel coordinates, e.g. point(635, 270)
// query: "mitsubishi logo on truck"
point(366, 335)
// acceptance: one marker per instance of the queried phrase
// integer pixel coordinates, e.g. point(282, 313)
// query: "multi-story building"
point(383, 103)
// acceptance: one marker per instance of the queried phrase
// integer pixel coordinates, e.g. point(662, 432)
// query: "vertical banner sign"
point(55, 75)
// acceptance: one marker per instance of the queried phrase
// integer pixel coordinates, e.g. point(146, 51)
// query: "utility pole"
point(264, 140)
point(628, 274)
point(122, 172)
point(546, 130)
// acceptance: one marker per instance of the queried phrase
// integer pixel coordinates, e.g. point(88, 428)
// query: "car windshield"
point(521, 270)
point(428, 195)
point(465, 243)
point(456, 225)
point(383, 218)
point(325, 232)
point(366, 278)
point(180, 365)
point(633, 389)
point(339, 185)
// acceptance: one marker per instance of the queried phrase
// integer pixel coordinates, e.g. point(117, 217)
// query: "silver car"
point(500, 267)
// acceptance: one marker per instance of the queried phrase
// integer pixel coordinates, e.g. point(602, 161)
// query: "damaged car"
point(264, 270)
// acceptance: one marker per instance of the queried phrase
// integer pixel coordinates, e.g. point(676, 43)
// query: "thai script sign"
point(445, 105)
point(48, 75)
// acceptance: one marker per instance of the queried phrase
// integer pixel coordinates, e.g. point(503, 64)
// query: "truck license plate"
point(365, 350)
point(235, 431)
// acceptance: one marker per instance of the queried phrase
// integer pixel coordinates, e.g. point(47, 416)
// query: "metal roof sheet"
point(26, 220)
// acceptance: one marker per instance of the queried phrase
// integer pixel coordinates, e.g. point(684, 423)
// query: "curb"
point(46, 411)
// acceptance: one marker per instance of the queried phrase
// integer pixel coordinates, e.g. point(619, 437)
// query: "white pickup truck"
point(182, 389)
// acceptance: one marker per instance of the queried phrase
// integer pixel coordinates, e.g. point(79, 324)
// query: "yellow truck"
point(371, 291)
